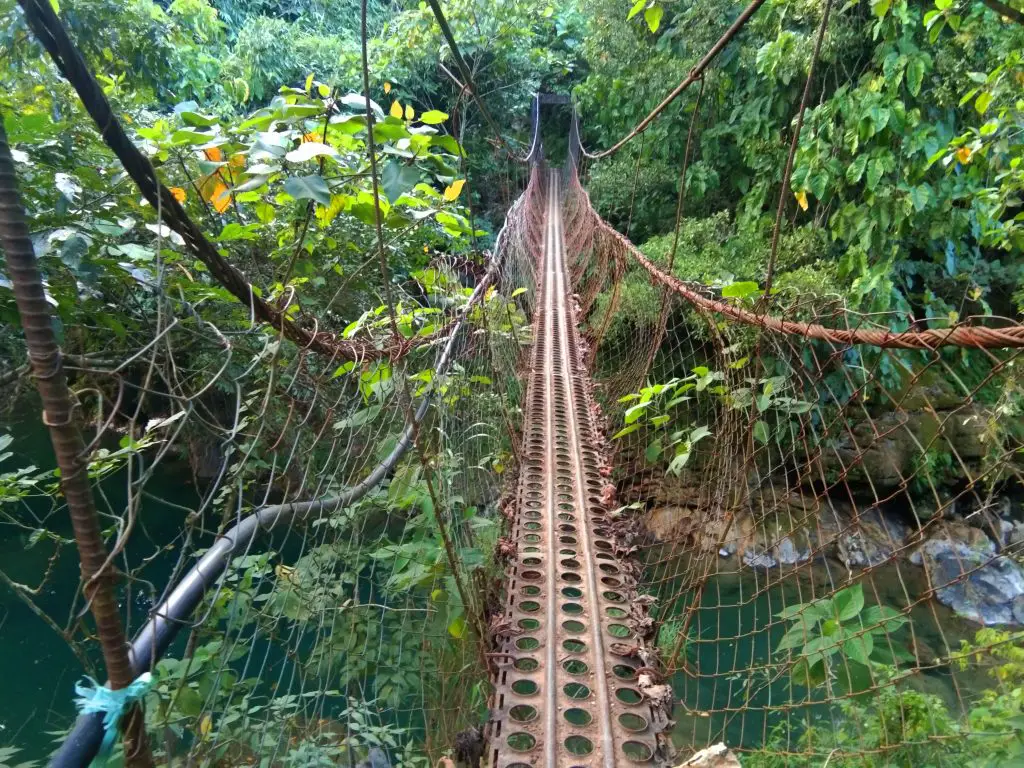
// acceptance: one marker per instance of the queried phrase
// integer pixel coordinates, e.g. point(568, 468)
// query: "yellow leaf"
point(220, 197)
point(410, 113)
point(387, 87)
point(801, 199)
point(284, 571)
point(237, 160)
point(178, 193)
point(310, 137)
point(453, 191)
point(396, 110)
point(205, 725)
point(309, 81)
point(214, 154)
point(964, 154)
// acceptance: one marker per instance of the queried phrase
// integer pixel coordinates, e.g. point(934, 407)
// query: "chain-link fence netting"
point(826, 505)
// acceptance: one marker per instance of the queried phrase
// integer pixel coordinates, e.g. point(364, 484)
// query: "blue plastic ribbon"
point(94, 698)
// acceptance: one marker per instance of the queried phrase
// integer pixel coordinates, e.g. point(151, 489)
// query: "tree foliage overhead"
point(909, 158)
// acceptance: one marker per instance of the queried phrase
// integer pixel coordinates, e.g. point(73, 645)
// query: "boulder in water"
point(968, 576)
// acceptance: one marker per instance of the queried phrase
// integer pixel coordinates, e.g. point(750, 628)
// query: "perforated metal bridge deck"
point(564, 697)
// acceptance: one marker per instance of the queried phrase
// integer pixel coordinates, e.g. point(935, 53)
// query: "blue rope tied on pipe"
point(93, 698)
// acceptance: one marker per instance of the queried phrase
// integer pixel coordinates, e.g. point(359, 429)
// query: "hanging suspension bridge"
point(514, 554)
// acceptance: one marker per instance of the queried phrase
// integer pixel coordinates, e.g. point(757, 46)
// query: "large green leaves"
point(311, 187)
point(397, 179)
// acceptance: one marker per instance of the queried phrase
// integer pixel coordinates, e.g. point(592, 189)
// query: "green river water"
point(37, 668)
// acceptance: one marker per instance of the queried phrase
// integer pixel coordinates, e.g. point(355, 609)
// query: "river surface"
point(37, 668)
point(736, 630)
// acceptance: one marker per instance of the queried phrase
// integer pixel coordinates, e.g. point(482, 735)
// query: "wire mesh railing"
point(826, 504)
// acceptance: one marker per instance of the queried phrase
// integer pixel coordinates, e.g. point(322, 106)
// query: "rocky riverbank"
point(967, 552)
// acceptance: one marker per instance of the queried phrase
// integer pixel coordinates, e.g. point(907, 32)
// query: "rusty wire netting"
point(825, 507)
point(344, 624)
point(340, 512)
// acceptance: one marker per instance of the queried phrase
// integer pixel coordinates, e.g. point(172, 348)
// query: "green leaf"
point(189, 702)
point(359, 418)
point(792, 611)
point(433, 117)
point(197, 120)
point(699, 434)
point(875, 171)
point(308, 188)
point(457, 628)
point(448, 143)
point(189, 136)
point(819, 648)
point(819, 184)
point(653, 17)
point(982, 102)
point(625, 431)
point(634, 412)
point(235, 231)
point(848, 602)
point(653, 451)
point(397, 179)
point(883, 618)
point(855, 170)
point(682, 456)
point(760, 431)
point(880, 7)
point(517, 292)
point(390, 131)
point(740, 290)
point(309, 150)
point(859, 648)
point(637, 7)
point(796, 637)
point(915, 75)
point(920, 196)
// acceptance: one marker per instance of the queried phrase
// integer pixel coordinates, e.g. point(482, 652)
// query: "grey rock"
point(787, 553)
point(376, 758)
point(758, 558)
point(969, 577)
point(870, 538)
point(1006, 529)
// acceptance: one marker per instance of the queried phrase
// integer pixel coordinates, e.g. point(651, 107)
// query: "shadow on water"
point(36, 665)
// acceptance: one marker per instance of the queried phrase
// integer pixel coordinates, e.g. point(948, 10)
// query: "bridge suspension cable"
point(693, 76)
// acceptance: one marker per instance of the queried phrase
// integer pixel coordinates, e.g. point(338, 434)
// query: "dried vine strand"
point(788, 172)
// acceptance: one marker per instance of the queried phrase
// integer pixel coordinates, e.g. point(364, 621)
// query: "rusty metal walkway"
point(564, 696)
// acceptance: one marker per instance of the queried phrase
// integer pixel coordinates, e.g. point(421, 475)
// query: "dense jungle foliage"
point(905, 198)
